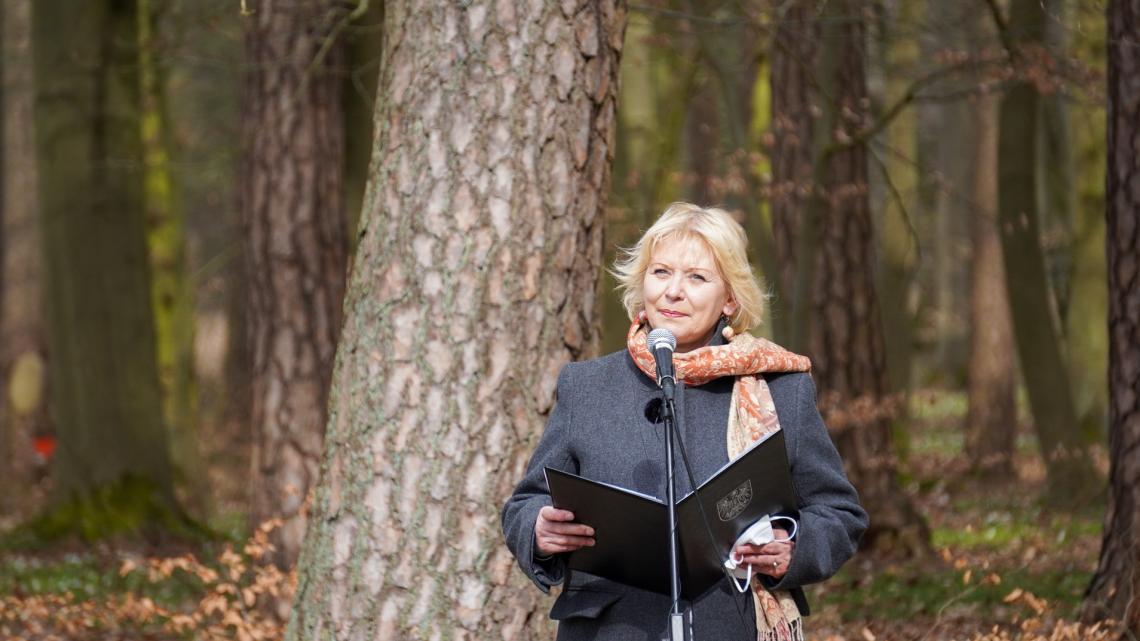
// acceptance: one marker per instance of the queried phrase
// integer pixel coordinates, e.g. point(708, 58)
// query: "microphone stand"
point(676, 625)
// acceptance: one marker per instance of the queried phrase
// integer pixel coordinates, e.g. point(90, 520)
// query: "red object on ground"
point(44, 446)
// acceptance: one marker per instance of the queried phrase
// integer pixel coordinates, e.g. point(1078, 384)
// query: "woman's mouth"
point(668, 313)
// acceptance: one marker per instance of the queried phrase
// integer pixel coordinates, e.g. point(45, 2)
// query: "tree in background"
point(474, 282)
point(833, 306)
point(791, 126)
point(292, 202)
point(991, 379)
point(23, 381)
point(172, 296)
point(1070, 474)
point(112, 459)
point(1115, 589)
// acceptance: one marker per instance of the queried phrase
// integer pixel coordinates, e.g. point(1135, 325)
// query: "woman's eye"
point(698, 277)
point(661, 271)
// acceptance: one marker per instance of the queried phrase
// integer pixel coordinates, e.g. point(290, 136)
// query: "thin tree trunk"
point(474, 283)
point(846, 339)
point(1115, 589)
point(23, 381)
point(795, 107)
point(105, 392)
point(991, 421)
point(292, 196)
point(1070, 474)
point(171, 292)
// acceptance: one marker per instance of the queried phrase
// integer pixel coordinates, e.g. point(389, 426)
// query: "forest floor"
point(1004, 565)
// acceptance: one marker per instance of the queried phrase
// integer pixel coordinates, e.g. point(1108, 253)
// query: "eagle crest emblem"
point(733, 503)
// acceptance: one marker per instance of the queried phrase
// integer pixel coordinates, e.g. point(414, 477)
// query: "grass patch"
point(907, 592)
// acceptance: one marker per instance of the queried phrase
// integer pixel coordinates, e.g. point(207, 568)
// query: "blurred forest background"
point(286, 285)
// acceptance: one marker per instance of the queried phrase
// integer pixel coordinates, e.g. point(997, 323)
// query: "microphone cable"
point(704, 516)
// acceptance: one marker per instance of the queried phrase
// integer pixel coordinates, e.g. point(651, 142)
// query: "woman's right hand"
point(555, 532)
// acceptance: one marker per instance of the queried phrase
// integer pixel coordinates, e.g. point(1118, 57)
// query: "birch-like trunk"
point(473, 284)
point(292, 201)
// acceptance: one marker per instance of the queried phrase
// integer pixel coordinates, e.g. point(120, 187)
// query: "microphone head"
point(662, 337)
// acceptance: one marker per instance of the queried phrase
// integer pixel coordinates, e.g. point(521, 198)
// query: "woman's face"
point(684, 292)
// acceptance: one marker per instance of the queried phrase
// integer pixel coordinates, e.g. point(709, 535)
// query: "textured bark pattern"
point(1070, 474)
point(292, 205)
point(1115, 589)
point(991, 422)
point(793, 105)
point(849, 359)
point(23, 398)
point(104, 393)
point(473, 284)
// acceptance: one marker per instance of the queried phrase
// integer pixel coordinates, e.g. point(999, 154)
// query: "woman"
point(688, 274)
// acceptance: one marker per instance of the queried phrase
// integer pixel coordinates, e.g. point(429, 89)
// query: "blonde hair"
point(723, 236)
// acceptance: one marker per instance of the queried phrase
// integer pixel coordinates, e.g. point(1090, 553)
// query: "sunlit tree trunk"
point(1115, 588)
point(171, 292)
point(1070, 474)
point(473, 284)
point(991, 421)
point(105, 393)
point(292, 201)
point(846, 336)
point(23, 393)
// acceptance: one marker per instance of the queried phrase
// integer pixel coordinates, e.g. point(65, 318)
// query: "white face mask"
point(758, 533)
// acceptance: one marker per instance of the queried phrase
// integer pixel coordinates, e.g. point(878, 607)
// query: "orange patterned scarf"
point(752, 415)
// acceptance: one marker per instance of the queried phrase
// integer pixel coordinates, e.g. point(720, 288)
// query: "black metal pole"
point(676, 618)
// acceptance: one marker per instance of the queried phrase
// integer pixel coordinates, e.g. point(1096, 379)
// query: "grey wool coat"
point(599, 429)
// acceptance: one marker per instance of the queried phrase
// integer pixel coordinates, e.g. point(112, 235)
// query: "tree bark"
point(105, 394)
point(292, 202)
point(1115, 588)
point(991, 420)
point(1071, 478)
point(846, 335)
point(473, 284)
point(23, 380)
point(795, 108)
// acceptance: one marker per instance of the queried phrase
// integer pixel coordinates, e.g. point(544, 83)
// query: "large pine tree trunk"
point(991, 421)
point(1115, 589)
point(473, 284)
point(1070, 474)
point(846, 330)
point(105, 393)
point(23, 382)
point(292, 201)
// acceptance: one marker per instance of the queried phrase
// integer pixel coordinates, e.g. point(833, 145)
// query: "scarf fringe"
point(797, 633)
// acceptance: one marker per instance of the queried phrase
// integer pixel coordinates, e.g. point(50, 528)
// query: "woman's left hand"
point(771, 558)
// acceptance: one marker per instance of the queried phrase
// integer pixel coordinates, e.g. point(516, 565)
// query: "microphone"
point(661, 344)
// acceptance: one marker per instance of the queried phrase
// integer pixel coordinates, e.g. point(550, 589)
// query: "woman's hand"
point(555, 532)
point(771, 558)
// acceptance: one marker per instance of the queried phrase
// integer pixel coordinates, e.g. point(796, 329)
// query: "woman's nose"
point(673, 290)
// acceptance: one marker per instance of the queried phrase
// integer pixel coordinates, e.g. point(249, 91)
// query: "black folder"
point(631, 544)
